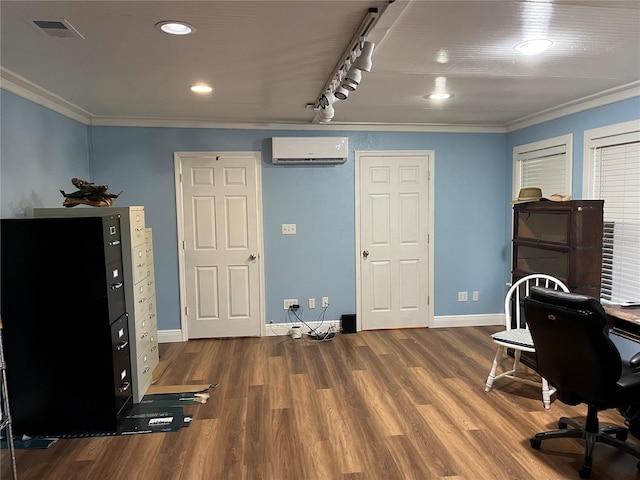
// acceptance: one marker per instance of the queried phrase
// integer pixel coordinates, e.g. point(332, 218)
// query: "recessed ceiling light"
point(175, 28)
point(531, 47)
point(201, 89)
point(440, 96)
point(442, 56)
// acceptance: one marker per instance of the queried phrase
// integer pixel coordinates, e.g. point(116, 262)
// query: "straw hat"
point(528, 194)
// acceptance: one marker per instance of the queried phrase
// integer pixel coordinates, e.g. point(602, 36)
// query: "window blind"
point(616, 180)
point(544, 164)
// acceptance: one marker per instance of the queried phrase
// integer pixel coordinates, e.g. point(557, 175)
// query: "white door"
point(394, 219)
point(220, 225)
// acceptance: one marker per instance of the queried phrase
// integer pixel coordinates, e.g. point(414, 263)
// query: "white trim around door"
point(429, 157)
point(179, 157)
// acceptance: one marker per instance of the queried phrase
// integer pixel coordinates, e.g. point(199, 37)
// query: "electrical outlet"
point(288, 302)
point(463, 296)
point(476, 296)
point(312, 303)
point(288, 229)
point(325, 302)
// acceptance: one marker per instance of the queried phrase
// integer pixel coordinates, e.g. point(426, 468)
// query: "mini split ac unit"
point(309, 150)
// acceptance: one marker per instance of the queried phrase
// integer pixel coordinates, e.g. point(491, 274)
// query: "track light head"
point(352, 79)
point(341, 93)
point(363, 62)
point(327, 100)
point(326, 114)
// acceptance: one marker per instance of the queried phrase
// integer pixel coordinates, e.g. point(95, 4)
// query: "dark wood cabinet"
point(562, 239)
point(65, 328)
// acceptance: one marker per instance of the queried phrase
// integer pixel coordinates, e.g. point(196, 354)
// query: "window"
point(612, 174)
point(545, 164)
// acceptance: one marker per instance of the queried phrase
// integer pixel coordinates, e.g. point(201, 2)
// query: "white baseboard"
point(483, 320)
point(170, 336)
point(271, 330)
point(276, 329)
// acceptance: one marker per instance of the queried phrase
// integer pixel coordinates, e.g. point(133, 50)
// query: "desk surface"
point(628, 314)
point(625, 321)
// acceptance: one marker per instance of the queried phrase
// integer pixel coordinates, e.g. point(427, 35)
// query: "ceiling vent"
point(56, 27)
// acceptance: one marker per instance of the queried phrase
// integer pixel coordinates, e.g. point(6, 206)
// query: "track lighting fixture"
point(347, 75)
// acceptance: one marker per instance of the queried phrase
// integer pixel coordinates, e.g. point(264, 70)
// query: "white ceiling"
point(268, 59)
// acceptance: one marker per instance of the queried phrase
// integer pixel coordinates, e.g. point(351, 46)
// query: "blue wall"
point(320, 259)
point(42, 150)
point(576, 124)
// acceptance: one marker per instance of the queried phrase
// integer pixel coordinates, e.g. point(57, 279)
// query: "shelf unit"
point(562, 239)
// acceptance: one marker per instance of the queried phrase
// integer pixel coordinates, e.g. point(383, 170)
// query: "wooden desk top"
point(629, 314)
point(625, 321)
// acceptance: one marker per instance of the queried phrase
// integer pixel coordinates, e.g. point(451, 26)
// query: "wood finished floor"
point(395, 404)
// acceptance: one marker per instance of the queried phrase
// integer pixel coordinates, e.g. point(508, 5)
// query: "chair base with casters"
point(575, 354)
point(592, 433)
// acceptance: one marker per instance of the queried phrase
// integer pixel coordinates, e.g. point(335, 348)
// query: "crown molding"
point(613, 95)
point(14, 83)
point(334, 126)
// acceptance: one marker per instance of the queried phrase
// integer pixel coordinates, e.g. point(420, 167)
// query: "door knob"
point(253, 256)
point(365, 253)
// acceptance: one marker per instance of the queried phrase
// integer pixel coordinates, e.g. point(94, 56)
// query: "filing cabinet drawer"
point(153, 343)
point(149, 248)
point(121, 362)
point(150, 280)
point(146, 364)
point(139, 258)
point(140, 296)
point(112, 239)
point(115, 289)
point(153, 347)
point(151, 309)
point(143, 334)
point(136, 224)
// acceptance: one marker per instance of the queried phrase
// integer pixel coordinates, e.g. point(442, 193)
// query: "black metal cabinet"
point(65, 327)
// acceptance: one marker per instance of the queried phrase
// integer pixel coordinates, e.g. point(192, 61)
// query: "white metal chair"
point(516, 334)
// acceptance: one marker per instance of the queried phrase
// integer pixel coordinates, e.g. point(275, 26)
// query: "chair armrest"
point(634, 362)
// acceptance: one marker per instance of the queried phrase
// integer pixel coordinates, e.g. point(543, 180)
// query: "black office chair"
point(574, 353)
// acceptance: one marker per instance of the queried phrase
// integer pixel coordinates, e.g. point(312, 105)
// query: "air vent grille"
point(56, 27)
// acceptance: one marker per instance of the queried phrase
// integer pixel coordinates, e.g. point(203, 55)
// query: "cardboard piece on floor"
point(154, 389)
